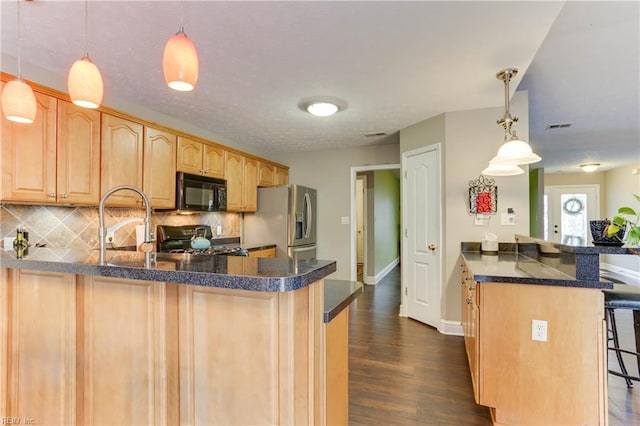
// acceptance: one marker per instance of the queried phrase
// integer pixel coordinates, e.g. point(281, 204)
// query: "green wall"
point(386, 207)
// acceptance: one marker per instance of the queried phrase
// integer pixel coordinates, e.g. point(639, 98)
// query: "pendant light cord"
point(182, 18)
point(19, 49)
point(86, 27)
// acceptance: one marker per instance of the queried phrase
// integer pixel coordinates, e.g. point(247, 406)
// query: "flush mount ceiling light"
point(514, 151)
point(322, 109)
point(590, 167)
point(18, 100)
point(180, 60)
point(85, 81)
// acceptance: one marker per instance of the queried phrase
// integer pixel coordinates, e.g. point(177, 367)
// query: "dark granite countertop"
point(338, 294)
point(511, 267)
point(257, 246)
point(233, 272)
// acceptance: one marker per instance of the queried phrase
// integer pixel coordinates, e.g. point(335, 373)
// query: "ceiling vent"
point(558, 126)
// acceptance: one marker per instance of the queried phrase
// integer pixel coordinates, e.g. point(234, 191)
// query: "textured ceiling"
point(391, 63)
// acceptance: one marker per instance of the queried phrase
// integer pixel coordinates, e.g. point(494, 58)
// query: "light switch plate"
point(507, 219)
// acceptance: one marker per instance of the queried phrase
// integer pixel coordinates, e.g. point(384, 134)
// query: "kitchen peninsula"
point(535, 338)
point(154, 338)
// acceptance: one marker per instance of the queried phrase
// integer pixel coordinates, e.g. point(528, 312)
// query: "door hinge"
point(405, 232)
point(406, 291)
point(405, 174)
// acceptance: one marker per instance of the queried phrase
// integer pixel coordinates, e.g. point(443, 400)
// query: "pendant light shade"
point(514, 152)
point(502, 170)
point(85, 83)
point(180, 62)
point(19, 102)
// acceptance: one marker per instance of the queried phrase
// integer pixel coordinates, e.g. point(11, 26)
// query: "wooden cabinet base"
point(97, 350)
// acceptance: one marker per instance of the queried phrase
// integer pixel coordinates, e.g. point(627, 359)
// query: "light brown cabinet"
point(56, 158)
point(282, 176)
point(200, 158)
point(122, 150)
point(78, 145)
point(159, 177)
point(242, 185)
point(269, 252)
point(29, 155)
point(521, 380)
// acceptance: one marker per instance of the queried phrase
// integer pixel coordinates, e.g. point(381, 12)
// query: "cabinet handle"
point(52, 195)
point(64, 195)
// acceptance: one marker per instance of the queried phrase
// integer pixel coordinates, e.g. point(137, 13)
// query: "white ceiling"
point(392, 63)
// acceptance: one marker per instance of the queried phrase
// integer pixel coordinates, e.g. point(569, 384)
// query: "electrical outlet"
point(110, 237)
point(539, 330)
point(218, 229)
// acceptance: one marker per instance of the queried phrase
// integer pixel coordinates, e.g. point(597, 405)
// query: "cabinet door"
point(122, 351)
point(189, 156)
point(234, 172)
point(270, 252)
point(29, 155)
point(282, 176)
point(213, 161)
point(159, 181)
point(78, 154)
point(250, 185)
point(122, 149)
point(41, 346)
point(266, 174)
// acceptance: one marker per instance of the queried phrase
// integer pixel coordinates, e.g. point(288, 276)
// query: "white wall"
point(470, 139)
point(329, 172)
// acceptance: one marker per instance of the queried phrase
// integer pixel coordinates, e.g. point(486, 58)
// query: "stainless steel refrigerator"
point(286, 216)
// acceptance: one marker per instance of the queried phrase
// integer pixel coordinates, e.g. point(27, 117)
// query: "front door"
point(568, 210)
point(422, 240)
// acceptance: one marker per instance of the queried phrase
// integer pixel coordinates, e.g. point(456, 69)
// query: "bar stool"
point(622, 297)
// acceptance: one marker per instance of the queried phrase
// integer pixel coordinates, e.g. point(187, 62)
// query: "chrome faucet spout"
point(102, 229)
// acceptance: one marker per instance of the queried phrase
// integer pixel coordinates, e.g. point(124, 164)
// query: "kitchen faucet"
point(102, 229)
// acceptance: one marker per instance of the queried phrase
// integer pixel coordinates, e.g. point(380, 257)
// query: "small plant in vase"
point(627, 218)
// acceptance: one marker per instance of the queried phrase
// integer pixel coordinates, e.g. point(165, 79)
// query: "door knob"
point(431, 247)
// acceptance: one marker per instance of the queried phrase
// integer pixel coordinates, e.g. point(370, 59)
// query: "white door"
point(568, 210)
point(422, 240)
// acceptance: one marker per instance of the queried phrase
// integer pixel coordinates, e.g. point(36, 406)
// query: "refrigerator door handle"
point(303, 249)
point(307, 202)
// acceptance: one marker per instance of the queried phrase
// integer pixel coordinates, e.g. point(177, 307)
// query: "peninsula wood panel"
point(41, 376)
point(78, 149)
point(337, 369)
point(29, 155)
point(561, 381)
point(122, 351)
point(122, 150)
point(4, 336)
point(159, 177)
point(266, 373)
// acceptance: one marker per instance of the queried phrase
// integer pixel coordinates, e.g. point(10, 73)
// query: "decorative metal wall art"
point(483, 196)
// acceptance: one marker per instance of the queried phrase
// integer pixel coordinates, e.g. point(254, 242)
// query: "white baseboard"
point(453, 328)
point(380, 275)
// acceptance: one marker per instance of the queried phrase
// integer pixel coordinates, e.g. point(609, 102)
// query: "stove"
point(177, 239)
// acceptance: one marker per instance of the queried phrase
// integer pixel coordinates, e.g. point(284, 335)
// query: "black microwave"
point(200, 193)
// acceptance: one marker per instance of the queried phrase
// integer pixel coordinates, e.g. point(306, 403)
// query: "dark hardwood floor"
point(403, 372)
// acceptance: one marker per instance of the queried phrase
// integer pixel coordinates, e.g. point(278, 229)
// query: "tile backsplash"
point(77, 227)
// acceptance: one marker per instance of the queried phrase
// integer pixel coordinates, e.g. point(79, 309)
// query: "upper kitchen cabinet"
point(29, 155)
point(159, 178)
point(200, 158)
point(266, 174)
point(272, 175)
point(78, 154)
point(122, 150)
point(242, 183)
point(282, 176)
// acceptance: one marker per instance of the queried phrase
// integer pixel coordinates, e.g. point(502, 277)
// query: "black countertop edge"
point(338, 294)
point(514, 268)
point(254, 247)
point(584, 249)
point(273, 275)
